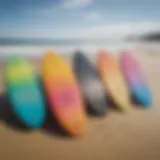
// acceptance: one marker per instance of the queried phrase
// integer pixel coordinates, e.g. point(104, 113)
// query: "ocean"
point(36, 47)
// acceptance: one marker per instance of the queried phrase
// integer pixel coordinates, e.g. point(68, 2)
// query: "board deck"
point(24, 93)
point(90, 83)
point(63, 94)
point(113, 79)
point(135, 79)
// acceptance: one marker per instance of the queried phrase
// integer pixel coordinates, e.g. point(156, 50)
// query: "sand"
point(134, 135)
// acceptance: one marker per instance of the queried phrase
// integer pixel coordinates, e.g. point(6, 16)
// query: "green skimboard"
point(24, 93)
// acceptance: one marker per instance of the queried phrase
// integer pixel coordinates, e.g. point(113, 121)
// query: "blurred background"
point(30, 27)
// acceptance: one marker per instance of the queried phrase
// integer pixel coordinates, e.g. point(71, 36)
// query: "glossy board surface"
point(135, 79)
point(63, 94)
point(113, 79)
point(25, 93)
point(90, 83)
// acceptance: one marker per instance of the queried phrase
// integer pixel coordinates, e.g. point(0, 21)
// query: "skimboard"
point(135, 79)
point(90, 83)
point(113, 80)
point(63, 94)
point(24, 93)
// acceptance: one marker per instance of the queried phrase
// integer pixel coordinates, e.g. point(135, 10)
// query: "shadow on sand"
point(112, 105)
point(135, 102)
point(11, 120)
point(51, 125)
point(8, 116)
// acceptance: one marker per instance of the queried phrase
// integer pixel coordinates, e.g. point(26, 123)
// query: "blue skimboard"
point(24, 93)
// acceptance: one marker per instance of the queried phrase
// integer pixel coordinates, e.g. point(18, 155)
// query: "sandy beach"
point(134, 135)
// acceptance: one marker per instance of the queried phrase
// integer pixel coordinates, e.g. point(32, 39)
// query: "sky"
point(78, 18)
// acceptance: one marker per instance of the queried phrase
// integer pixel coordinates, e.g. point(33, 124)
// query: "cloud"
point(67, 4)
point(94, 16)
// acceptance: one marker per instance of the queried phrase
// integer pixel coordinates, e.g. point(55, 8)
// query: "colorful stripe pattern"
point(63, 94)
point(24, 93)
point(135, 78)
point(113, 80)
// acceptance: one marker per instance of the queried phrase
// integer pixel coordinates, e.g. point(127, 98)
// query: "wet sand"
point(134, 135)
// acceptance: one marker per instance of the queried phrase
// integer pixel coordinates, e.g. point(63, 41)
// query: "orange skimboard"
point(113, 79)
point(63, 94)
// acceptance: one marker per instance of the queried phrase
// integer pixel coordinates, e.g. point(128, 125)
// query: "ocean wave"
point(37, 50)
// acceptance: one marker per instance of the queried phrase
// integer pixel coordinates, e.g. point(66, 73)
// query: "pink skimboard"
point(135, 79)
point(64, 94)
